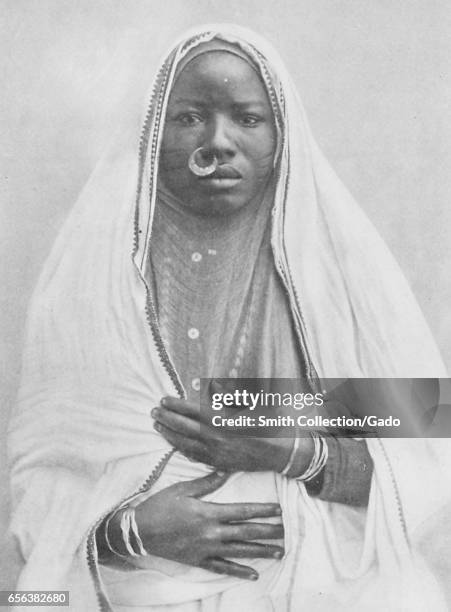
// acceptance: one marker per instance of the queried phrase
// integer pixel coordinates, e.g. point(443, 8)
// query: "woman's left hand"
point(188, 428)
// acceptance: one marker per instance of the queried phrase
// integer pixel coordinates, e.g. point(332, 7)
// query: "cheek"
point(261, 154)
point(176, 147)
point(262, 142)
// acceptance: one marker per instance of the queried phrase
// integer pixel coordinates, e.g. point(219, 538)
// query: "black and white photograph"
point(225, 322)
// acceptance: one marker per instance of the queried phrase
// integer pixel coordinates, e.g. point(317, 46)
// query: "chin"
point(219, 205)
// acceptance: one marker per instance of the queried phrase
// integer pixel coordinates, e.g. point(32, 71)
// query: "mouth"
point(223, 172)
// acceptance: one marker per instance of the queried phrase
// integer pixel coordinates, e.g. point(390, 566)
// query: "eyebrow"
point(238, 105)
point(192, 101)
point(250, 103)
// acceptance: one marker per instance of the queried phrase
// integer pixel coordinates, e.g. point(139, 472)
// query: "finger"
point(252, 531)
point(216, 386)
point(182, 406)
point(203, 486)
point(178, 423)
point(222, 385)
point(248, 550)
point(193, 449)
point(244, 512)
point(219, 388)
point(224, 566)
point(187, 409)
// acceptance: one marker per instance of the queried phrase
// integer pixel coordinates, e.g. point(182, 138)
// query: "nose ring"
point(202, 163)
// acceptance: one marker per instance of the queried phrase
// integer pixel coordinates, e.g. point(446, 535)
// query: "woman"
point(227, 167)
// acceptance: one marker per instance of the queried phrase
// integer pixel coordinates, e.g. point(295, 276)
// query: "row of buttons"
point(196, 257)
point(193, 332)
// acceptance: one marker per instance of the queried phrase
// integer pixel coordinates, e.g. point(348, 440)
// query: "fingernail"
point(164, 401)
point(278, 510)
point(156, 426)
point(278, 554)
point(253, 576)
point(154, 412)
point(221, 473)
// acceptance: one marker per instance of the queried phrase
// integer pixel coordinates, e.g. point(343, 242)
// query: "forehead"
point(219, 75)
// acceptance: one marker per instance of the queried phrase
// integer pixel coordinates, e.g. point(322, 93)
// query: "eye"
point(250, 120)
point(189, 119)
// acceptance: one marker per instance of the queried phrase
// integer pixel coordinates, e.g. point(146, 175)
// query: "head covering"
point(81, 440)
point(215, 45)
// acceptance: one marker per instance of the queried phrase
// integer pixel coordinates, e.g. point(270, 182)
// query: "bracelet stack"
point(319, 459)
point(291, 458)
point(129, 530)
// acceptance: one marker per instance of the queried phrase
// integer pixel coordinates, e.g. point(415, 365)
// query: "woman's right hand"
point(176, 524)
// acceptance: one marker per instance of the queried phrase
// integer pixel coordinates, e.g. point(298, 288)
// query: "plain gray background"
point(374, 76)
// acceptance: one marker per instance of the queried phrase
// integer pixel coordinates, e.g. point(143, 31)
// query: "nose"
point(219, 139)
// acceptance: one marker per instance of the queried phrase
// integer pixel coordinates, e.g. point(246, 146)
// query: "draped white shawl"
point(81, 439)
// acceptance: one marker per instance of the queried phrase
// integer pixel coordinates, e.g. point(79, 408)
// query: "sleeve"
point(346, 478)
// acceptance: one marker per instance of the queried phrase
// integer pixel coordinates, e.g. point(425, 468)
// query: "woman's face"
point(218, 102)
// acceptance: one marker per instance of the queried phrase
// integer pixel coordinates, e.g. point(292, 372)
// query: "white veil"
point(81, 439)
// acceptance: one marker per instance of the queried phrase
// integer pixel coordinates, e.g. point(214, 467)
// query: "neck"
point(196, 225)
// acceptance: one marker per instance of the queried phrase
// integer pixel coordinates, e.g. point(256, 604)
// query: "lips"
point(224, 171)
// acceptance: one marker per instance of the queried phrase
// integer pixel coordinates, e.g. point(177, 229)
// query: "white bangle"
point(142, 551)
point(319, 459)
point(290, 461)
point(128, 524)
point(107, 539)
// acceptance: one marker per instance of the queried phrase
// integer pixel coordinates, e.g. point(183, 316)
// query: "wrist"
point(319, 458)
point(109, 542)
point(281, 455)
point(303, 449)
point(113, 535)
